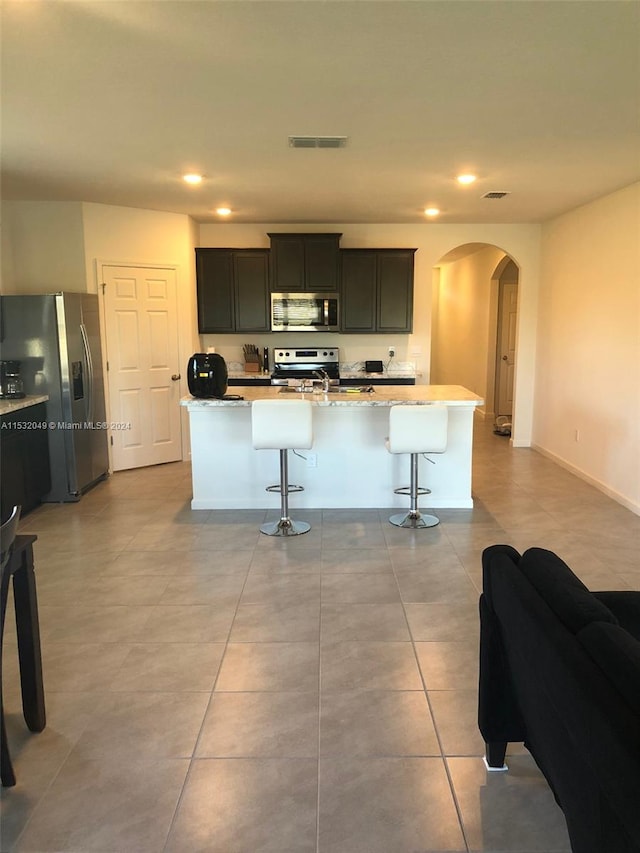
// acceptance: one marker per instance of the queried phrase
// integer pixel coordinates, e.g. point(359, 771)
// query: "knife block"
point(251, 367)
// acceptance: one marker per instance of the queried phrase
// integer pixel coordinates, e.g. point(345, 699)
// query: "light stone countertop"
point(383, 395)
point(9, 406)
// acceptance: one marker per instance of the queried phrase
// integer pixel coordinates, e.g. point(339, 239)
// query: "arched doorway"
point(474, 313)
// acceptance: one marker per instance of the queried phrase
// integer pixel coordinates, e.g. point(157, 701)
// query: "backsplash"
point(348, 369)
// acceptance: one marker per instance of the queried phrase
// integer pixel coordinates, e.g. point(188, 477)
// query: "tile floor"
point(212, 689)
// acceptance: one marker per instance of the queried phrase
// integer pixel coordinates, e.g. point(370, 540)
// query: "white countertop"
point(9, 406)
point(383, 395)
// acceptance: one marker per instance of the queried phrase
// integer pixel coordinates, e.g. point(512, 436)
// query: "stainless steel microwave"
point(305, 312)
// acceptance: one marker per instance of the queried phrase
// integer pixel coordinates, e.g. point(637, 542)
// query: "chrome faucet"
point(322, 374)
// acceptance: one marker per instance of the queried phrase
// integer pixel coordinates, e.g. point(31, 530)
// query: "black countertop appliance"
point(207, 375)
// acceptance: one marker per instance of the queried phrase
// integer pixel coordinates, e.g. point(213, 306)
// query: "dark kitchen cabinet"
point(233, 290)
point(305, 262)
point(25, 476)
point(377, 290)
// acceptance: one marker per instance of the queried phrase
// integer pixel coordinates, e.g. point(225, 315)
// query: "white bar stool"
point(416, 429)
point(280, 425)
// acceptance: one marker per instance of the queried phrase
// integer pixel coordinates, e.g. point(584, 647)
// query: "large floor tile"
point(376, 723)
point(267, 725)
point(443, 620)
point(246, 805)
point(448, 665)
point(510, 812)
point(344, 622)
point(263, 623)
point(186, 623)
point(269, 666)
point(359, 588)
point(372, 665)
point(215, 589)
point(280, 588)
point(106, 805)
point(378, 805)
point(168, 667)
point(345, 560)
point(82, 667)
point(135, 725)
point(286, 558)
point(455, 713)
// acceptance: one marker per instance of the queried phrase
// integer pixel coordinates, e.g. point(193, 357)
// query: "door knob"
point(175, 377)
point(505, 358)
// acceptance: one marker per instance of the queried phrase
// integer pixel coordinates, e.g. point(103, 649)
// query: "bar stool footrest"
point(406, 490)
point(290, 489)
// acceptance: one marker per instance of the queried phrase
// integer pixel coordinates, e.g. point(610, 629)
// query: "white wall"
point(465, 320)
point(144, 237)
point(588, 373)
point(50, 246)
point(432, 243)
point(42, 247)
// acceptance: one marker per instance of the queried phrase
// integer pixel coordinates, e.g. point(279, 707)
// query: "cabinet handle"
point(175, 377)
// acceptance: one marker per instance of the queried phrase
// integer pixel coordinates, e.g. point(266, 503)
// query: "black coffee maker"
point(207, 375)
point(11, 386)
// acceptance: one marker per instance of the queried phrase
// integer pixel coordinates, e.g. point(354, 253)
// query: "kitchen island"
point(348, 465)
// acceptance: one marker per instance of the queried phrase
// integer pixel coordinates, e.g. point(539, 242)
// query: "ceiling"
point(113, 101)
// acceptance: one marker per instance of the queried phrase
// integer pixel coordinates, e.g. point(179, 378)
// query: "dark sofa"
point(560, 671)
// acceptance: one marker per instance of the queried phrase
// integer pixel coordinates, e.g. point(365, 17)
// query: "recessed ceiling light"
point(431, 211)
point(466, 179)
point(192, 179)
point(223, 211)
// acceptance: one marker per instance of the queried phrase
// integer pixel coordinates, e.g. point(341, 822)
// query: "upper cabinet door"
point(308, 262)
point(233, 290)
point(358, 299)
point(287, 263)
point(395, 290)
point(322, 262)
point(214, 275)
point(377, 290)
point(251, 275)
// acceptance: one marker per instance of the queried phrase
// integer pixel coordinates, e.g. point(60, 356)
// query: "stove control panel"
point(307, 355)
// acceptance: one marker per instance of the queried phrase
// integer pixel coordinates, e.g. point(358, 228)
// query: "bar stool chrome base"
point(415, 520)
point(285, 527)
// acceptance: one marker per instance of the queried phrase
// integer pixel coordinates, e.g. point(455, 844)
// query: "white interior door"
point(143, 365)
point(507, 324)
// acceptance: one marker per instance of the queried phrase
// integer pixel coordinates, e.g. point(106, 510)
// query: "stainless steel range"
point(300, 363)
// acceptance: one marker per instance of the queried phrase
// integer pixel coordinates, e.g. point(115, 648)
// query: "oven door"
point(304, 312)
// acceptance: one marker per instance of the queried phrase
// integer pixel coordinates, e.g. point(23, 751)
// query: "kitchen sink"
point(334, 389)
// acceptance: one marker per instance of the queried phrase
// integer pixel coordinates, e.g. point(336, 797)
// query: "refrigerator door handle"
point(87, 354)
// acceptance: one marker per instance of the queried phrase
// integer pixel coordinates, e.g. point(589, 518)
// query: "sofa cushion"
point(617, 654)
point(625, 606)
point(563, 592)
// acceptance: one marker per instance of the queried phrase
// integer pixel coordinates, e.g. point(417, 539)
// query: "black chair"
point(16, 552)
point(8, 533)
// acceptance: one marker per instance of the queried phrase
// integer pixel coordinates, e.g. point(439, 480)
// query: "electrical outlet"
point(392, 352)
point(312, 460)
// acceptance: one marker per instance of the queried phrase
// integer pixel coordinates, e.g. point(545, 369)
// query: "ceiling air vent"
point(496, 194)
point(317, 141)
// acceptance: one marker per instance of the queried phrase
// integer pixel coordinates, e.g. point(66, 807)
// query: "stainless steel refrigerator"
point(56, 337)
